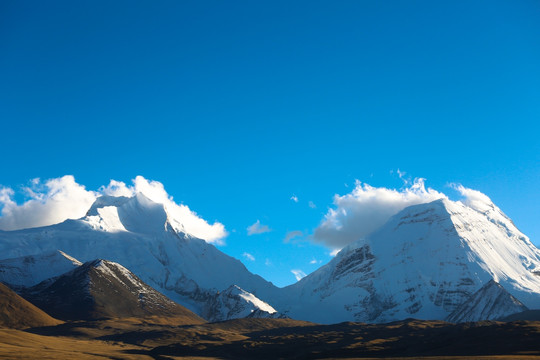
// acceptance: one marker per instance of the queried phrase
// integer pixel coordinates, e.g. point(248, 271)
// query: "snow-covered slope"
point(491, 302)
point(102, 288)
point(423, 263)
point(235, 303)
point(32, 269)
point(139, 234)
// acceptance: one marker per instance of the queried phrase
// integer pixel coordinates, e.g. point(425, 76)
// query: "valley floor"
point(161, 338)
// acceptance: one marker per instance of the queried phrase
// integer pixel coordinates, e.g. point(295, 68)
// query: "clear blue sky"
point(235, 106)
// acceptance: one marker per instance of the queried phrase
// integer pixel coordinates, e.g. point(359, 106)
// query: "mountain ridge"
point(138, 233)
point(99, 289)
point(424, 262)
point(491, 302)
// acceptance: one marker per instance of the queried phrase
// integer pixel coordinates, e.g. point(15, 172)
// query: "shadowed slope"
point(528, 315)
point(408, 339)
point(102, 289)
point(17, 313)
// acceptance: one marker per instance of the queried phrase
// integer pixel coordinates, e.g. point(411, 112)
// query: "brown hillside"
point(103, 289)
point(17, 313)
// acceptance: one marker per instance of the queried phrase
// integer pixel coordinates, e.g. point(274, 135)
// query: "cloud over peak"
point(367, 208)
point(56, 200)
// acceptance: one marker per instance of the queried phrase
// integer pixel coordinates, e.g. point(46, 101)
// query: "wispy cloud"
point(248, 256)
point(334, 252)
point(298, 274)
point(267, 262)
point(257, 228)
point(294, 198)
point(312, 205)
point(291, 235)
point(474, 198)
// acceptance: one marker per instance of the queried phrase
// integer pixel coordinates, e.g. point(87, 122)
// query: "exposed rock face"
point(491, 302)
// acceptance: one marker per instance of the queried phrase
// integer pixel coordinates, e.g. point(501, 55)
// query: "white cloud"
point(47, 203)
point(257, 228)
point(63, 198)
point(401, 174)
point(117, 188)
point(367, 208)
point(291, 235)
point(268, 262)
point(298, 274)
point(248, 256)
point(294, 198)
point(474, 198)
point(314, 261)
point(312, 205)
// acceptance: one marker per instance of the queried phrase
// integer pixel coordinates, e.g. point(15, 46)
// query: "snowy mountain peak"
point(491, 302)
point(137, 214)
point(423, 263)
point(139, 234)
point(119, 273)
point(106, 201)
point(102, 288)
point(235, 302)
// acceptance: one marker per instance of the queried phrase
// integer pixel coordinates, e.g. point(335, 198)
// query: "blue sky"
point(237, 106)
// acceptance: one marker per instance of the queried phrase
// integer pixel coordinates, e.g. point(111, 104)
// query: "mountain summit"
point(424, 262)
point(136, 214)
point(139, 234)
point(102, 288)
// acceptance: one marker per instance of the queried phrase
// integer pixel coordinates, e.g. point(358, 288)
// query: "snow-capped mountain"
point(491, 302)
point(140, 235)
point(102, 288)
point(32, 269)
point(235, 303)
point(424, 262)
